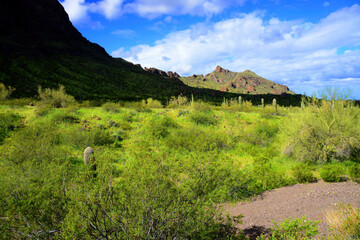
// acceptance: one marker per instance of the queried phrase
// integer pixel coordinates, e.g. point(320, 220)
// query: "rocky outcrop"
point(237, 82)
point(221, 70)
point(173, 74)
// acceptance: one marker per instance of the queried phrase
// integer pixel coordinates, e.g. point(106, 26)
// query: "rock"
point(221, 70)
point(31, 104)
point(156, 71)
point(173, 74)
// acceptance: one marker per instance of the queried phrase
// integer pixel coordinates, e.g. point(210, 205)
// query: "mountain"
point(236, 82)
point(39, 46)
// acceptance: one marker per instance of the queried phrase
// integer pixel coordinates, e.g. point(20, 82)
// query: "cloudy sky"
point(305, 44)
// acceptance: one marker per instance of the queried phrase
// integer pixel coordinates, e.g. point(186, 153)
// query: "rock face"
point(159, 72)
point(237, 82)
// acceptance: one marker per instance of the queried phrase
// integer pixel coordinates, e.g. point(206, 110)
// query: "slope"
point(236, 82)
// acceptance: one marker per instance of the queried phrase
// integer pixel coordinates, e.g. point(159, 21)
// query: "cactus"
point(262, 103)
point(240, 101)
point(192, 99)
point(275, 105)
point(89, 156)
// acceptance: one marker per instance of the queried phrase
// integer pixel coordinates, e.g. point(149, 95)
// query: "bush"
point(111, 107)
point(5, 91)
point(302, 173)
point(344, 222)
point(297, 229)
point(331, 173)
point(180, 100)
point(323, 131)
point(151, 103)
point(354, 172)
point(55, 98)
point(8, 122)
point(204, 118)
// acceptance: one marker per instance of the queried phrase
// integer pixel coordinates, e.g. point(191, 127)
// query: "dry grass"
point(344, 222)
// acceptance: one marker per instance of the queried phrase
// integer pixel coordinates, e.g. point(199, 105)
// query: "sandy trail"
point(312, 200)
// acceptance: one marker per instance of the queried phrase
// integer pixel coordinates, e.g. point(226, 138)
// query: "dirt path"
point(312, 200)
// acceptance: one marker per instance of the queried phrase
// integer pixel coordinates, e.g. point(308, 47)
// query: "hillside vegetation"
point(160, 172)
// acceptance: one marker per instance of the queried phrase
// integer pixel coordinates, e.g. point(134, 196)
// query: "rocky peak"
point(221, 70)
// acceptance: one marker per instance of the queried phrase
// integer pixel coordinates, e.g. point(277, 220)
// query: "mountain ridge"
point(246, 82)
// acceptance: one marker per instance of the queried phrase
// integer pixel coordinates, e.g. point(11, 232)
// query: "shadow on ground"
point(255, 231)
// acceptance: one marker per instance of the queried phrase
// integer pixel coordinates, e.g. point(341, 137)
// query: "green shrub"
point(111, 107)
point(5, 91)
point(55, 98)
point(160, 126)
point(180, 100)
point(354, 172)
point(331, 173)
point(324, 130)
point(297, 229)
point(151, 103)
point(303, 174)
point(204, 118)
point(8, 122)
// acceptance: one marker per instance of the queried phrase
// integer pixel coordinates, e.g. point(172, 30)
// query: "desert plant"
point(180, 100)
point(204, 118)
point(5, 91)
point(303, 174)
point(274, 105)
point(354, 172)
point(322, 133)
point(111, 107)
point(344, 222)
point(262, 103)
point(55, 98)
point(331, 173)
point(297, 229)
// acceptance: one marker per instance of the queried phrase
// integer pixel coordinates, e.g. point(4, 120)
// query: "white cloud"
point(76, 9)
point(300, 54)
point(326, 4)
point(156, 8)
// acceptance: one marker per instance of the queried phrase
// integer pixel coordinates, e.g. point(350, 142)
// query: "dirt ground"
point(312, 200)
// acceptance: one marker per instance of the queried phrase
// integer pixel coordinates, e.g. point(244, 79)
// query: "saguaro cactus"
point(240, 101)
point(275, 105)
point(262, 103)
point(89, 156)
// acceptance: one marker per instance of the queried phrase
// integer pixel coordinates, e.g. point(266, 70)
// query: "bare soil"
point(312, 200)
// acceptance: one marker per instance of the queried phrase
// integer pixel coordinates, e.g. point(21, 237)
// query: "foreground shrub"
point(55, 98)
point(297, 229)
point(5, 91)
point(180, 100)
point(324, 130)
point(204, 118)
point(303, 174)
point(344, 222)
point(354, 172)
point(111, 107)
point(8, 122)
point(331, 173)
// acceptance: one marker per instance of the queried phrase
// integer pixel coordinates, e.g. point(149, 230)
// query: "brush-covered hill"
point(236, 82)
point(40, 47)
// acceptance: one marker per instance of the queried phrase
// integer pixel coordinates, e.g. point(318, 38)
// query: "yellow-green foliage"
point(5, 91)
point(323, 131)
point(344, 222)
point(162, 173)
point(56, 98)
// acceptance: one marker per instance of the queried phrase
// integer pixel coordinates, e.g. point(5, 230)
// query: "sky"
point(306, 44)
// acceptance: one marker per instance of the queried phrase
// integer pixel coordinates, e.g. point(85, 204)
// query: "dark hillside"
point(39, 46)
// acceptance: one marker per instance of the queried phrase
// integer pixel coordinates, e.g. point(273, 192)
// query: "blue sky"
point(305, 44)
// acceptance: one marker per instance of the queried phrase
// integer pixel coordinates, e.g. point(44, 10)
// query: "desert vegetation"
point(163, 171)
